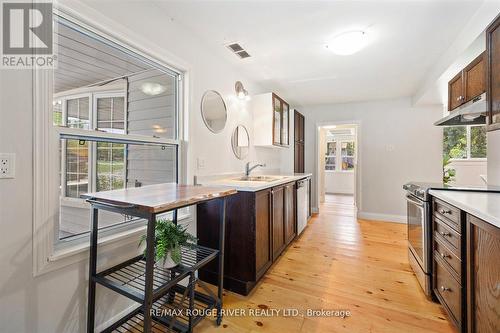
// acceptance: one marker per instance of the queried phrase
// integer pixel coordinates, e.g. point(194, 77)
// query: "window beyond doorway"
point(343, 162)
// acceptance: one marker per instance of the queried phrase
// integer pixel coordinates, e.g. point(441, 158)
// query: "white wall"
point(469, 172)
point(397, 143)
point(56, 301)
point(494, 158)
point(341, 182)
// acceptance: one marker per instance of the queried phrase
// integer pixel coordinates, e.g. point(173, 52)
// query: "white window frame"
point(46, 256)
point(468, 148)
point(338, 155)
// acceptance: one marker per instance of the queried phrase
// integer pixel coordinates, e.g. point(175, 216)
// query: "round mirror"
point(213, 111)
point(240, 142)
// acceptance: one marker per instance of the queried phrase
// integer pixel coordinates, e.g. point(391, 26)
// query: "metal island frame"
point(140, 279)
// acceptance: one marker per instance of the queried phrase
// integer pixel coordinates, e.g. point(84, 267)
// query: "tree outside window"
point(464, 142)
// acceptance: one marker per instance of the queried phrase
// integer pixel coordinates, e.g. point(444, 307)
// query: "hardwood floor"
point(339, 263)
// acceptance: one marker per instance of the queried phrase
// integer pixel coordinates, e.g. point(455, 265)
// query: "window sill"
point(108, 245)
point(119, 238)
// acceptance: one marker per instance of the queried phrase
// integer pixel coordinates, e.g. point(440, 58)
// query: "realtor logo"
point(27, 35)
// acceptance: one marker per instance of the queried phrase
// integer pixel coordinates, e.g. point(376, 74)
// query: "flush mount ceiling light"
point(152, 88)
point(348, 42)
point(241, 92)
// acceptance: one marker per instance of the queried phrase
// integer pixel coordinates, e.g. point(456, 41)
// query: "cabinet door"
point(493, 68)
point(277, 111)
point(475, 78)
point(285, 120)
point(455, 92)
point(483, 276)
point(290, 226)
point(278, 221)
point(263, 255)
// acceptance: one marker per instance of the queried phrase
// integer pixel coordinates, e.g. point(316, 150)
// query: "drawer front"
point(450, 236)
point(449, 290)
point(448, 213)
point(441, 250)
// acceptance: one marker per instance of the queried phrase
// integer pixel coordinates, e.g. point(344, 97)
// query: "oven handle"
point(410, 199)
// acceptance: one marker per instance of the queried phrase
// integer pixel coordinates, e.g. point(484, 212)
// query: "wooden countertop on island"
point(161, 197)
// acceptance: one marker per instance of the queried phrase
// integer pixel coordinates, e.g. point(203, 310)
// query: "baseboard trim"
point(382, 217)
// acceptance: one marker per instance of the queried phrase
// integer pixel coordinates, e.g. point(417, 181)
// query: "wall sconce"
point(241, 92)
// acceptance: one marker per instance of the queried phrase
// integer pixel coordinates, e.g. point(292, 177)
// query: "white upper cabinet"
point(271, 120)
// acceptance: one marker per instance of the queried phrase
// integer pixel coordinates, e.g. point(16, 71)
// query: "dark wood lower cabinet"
point(290, 213)
point(263, 257)
point(466, 270)
point(483, 276)
point(278, 195)
point(259, 226)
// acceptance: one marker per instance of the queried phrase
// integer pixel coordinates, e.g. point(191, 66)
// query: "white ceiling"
point(286, 40)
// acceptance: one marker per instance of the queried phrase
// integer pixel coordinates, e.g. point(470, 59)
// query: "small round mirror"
point(240, 142)
point(213, 111)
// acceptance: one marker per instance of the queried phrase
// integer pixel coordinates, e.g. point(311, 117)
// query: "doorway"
point(338, 156)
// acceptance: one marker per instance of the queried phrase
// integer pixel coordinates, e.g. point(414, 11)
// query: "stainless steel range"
point(419, 233)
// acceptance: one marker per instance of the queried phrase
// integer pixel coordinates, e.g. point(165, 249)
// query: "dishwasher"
point(302, 204)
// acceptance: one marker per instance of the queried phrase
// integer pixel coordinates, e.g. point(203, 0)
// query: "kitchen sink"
point(258, 178)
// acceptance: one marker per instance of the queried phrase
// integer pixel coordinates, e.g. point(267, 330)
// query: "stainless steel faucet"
point(249, 169)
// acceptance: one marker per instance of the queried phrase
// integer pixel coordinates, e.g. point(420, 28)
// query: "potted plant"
point(169, 238)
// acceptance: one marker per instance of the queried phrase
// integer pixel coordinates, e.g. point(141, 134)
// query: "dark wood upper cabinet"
point(475, 78)
point(299, 144)
point(455, 92)
point(468, 84)
point(493, 74)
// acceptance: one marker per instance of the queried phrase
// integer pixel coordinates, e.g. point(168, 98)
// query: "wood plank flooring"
point(339, 263)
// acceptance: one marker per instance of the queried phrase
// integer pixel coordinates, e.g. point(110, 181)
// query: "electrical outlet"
point(7, 165)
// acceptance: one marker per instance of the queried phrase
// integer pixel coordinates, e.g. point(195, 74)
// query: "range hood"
point(471, 113)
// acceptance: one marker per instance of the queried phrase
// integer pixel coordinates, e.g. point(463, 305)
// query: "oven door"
point(417, 230)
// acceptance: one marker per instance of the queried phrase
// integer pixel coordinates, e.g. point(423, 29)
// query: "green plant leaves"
point(169, 237)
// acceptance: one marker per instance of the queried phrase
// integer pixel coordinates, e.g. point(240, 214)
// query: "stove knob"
point(421, 193)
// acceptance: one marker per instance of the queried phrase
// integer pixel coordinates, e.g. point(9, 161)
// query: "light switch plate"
point(7, 165)
point(200, 163)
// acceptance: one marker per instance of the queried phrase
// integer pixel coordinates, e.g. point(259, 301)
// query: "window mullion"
point(468, 142)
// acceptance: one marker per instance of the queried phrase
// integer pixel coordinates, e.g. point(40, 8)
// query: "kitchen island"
point(466, 257)
point(261, 221)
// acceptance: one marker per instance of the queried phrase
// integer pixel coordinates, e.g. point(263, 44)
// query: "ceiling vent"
point(237, 49)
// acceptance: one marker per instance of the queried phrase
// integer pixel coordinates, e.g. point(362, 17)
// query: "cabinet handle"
point(443, 289)
point(444, 233)
point(459, 98)
point(444, 211)
point(444, 255)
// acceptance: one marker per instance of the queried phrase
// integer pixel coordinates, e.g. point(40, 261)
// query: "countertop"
point(161, 197)
point(254, 186)
point(483, 205)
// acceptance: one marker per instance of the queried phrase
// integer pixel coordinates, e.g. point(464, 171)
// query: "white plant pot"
point(167, 262)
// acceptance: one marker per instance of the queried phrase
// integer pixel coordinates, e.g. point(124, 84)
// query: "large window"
point(464, 142)
point(115, 113)
point(343, 162)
